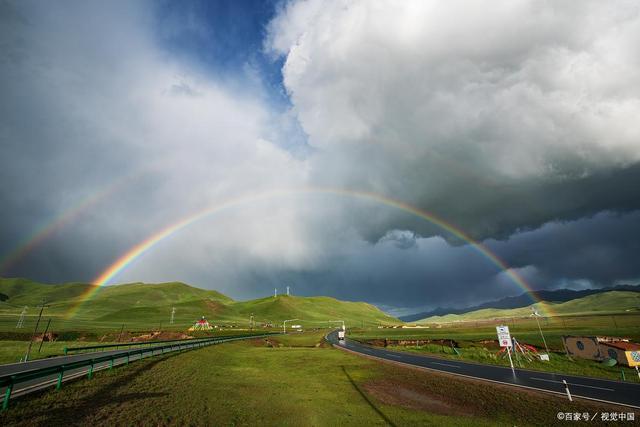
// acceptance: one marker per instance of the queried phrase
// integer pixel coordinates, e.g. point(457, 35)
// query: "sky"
point(514, 121)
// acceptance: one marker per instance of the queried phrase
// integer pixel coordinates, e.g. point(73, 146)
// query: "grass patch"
point(306, 339)
point(13, 351)
point(249, 383)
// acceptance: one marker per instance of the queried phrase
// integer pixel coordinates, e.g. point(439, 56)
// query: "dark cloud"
point(519, 127)
point(445, 108)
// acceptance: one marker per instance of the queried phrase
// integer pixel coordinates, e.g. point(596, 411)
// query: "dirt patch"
point(263, 342)
point(412, 396)
point(214, 306)
point(49, 336)
point(138, 337)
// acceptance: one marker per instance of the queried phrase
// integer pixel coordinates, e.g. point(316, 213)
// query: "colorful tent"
point(201, 325)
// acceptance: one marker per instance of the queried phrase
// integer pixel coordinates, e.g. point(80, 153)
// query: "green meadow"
point(263, 383)
point(140, 306)
point(476, 340)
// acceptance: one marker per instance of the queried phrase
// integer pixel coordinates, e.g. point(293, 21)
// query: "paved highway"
point(627, 394)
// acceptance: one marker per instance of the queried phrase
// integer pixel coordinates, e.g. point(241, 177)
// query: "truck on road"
point(340, 335)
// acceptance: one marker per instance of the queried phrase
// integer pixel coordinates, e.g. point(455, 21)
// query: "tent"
point(201, 325)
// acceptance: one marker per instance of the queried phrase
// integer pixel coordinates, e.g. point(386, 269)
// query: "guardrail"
point(58, 371)
point(68, 350)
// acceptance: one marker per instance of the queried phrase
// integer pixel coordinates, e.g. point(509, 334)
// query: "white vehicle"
point(341, 335)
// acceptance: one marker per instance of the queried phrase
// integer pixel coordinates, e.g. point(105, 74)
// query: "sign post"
point(504, 338)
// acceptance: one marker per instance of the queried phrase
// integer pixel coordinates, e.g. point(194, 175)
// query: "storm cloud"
point(515, 121)
point(495, 115)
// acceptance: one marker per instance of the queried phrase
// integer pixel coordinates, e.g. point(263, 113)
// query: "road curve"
point(616, 392)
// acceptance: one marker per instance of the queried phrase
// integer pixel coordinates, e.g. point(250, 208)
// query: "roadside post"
point(566, 387)
point(504, 338)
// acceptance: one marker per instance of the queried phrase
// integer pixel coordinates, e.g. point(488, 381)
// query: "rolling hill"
point(144, 305)
point(522, 300)
point(611, 302)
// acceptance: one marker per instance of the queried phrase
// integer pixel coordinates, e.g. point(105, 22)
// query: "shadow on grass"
point(366, 398)
point(75, 411)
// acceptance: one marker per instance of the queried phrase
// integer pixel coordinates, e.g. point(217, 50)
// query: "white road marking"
point(445, 364)
point(394, 355)
point(577, 385)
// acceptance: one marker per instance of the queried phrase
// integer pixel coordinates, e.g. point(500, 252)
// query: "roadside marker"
point(511, 361)
point(60, 375)
point(566, 387)
point(7, 396)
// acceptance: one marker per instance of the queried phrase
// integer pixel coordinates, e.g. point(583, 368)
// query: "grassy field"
point(12, 351)
point(255, 383)
point(149, 306)
point(471, 339)
point(524, 329)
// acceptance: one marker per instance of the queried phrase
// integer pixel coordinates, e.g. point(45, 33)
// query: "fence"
point(56, 373)
point(68, 350)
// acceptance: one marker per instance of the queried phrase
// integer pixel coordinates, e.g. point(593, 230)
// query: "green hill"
point(144, 305)
point(613, 302)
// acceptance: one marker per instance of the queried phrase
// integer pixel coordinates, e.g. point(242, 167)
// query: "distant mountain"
point(611, 302)
point(523, 300)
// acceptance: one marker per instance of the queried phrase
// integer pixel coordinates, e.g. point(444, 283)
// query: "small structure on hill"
point(201, 325)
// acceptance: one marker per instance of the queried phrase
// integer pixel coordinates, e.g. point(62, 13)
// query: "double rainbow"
point(64, 218)
point(146, 245)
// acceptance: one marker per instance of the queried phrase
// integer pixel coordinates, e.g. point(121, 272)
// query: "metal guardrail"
point(9, 381)
point(68, 350)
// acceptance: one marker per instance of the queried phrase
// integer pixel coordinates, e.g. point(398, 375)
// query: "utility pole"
point(42, 306)
point(536, 315)
point(251, 324)
point(20, 324)
point(284, 324)
point(173, 313)
point(43, 335)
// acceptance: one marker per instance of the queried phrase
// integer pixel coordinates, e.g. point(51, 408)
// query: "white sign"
point(504, 337)
point(544, 357)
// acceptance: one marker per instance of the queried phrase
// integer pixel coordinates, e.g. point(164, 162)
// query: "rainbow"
point(45, 231)
point(144, 246)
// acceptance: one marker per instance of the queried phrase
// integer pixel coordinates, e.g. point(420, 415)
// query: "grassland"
point(476, 341)
point(255, 383)
point(149, 306)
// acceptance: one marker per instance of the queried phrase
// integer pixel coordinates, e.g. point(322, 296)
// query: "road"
point(616, 392)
